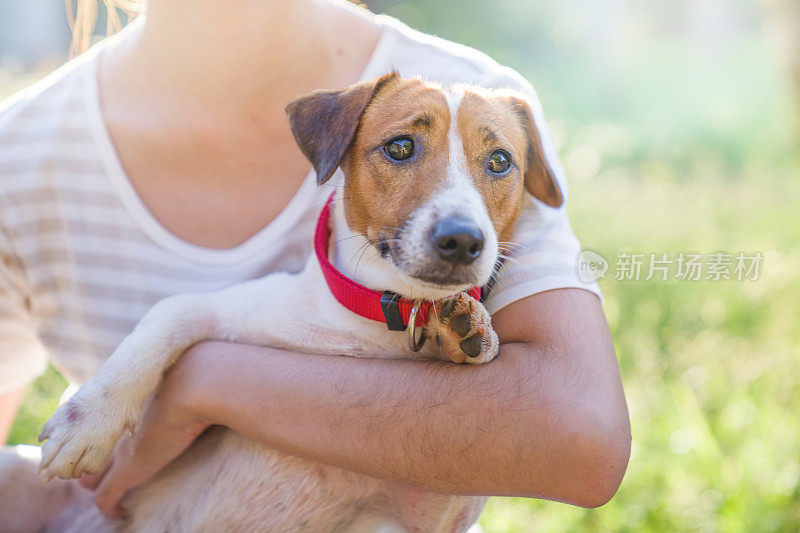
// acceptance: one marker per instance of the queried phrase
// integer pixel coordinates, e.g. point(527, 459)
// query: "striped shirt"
point(82, 258)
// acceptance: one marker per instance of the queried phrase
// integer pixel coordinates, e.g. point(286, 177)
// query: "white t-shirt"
point(82, 259)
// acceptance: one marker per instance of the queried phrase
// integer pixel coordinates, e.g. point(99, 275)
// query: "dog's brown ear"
point(324, 122)
point(540, 180)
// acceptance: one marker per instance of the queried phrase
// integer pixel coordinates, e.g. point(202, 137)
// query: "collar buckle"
point(391, 311)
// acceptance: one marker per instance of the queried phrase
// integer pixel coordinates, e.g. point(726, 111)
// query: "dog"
point(434, 179)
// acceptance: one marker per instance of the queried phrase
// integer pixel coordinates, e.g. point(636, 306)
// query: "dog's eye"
point(400, 148)
point(498, 162)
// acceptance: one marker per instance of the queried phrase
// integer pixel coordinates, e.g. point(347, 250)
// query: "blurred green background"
point(678, 126)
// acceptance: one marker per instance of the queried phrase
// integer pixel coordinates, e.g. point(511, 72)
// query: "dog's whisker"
point(509, 247)
point(355, 270)
point(346, 238)
point(496, 272)
point(507, 258)
point(360, 248)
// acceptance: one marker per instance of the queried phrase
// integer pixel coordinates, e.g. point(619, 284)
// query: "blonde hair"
point(82, 17)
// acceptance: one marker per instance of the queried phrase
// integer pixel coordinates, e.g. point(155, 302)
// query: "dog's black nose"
point(457, 240)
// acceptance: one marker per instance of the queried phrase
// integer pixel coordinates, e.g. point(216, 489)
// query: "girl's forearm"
point(511, 427)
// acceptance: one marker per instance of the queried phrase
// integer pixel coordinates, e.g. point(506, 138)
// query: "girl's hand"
point(169, 424)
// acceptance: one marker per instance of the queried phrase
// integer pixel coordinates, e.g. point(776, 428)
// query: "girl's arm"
point(546, 419)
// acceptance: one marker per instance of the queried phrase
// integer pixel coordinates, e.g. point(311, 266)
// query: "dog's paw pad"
point(462, 329)
point(77, 440)
point(460, 324)
point(472, 346)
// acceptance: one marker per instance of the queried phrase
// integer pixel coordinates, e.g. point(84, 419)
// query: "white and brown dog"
point(433, 185)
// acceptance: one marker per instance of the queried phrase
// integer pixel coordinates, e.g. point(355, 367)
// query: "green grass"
point(710, 368)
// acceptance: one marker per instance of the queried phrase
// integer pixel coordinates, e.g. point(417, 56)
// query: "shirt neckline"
point(156, 231)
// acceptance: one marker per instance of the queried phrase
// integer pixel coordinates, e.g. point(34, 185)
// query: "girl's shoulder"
point(58, 92)
point(49, 152)
point(414, 53)
point(45, 127)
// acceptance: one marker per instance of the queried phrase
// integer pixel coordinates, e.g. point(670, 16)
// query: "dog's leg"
point(81, 433)
point(462, 328)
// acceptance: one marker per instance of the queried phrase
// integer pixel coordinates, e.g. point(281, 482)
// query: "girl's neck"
point(193, 97)
point(248, 52)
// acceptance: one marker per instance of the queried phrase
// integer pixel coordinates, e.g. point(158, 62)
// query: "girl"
point(160, 162)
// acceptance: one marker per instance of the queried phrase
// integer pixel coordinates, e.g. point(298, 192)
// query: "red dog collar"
point(386, 307)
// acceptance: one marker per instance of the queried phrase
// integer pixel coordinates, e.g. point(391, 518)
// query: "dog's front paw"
point(80, 436)
point(462, 329)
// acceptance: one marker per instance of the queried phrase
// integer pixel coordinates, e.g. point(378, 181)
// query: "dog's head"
point(433, 177)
